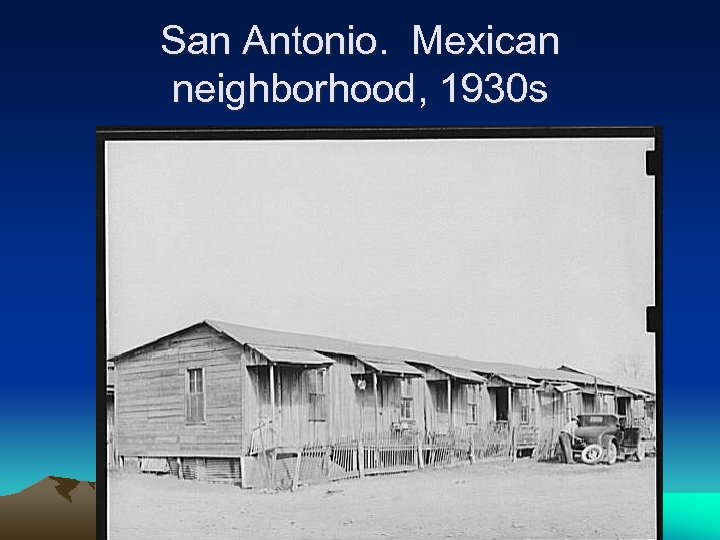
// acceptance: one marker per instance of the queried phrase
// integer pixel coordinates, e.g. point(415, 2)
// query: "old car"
point(605, 438)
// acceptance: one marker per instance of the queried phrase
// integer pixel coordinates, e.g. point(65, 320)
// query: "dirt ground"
point(487, 500)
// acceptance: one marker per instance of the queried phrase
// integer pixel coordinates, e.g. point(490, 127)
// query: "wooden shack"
point(451, 396)
point(205, 396)
point(218, 401)
point(513, 400)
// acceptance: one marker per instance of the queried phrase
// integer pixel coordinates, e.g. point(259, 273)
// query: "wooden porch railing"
point(391, 451)
point(262, 438)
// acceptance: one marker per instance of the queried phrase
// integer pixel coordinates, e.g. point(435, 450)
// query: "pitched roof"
point(538, 373)
point(259, 337)
point(616, 381)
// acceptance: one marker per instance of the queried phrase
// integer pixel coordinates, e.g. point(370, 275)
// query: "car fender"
point(607, 439)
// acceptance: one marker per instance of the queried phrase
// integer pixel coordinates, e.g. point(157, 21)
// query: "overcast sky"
point(537, 252)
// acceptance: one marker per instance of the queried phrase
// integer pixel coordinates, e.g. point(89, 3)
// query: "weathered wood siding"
point(389, 393)
point(489, 396)
point(293, 424)
point(435, 395)
point(151, 400)
point(573, 400)
point(353, 410)
point(551, 416)
point(110, 414)
point(591, 403)
point(344, 398)
point(150, 397)
point(460, 404)
point(436, 405)
point(637, 409)
point(349, 410)
point(487, 406)
point(523, 397)
point(607, 403)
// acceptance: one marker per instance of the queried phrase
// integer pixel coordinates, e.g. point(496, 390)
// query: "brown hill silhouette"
point(55, 509)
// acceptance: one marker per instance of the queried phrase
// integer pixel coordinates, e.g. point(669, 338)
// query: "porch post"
point(272, 393)
point(450, 420)
point(377, 421)
point(511, 428)
point(362, 416)
point(509, 394)
point(377, 411)
point(449, 404)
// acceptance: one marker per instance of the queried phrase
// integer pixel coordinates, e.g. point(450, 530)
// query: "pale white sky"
point(536, 252)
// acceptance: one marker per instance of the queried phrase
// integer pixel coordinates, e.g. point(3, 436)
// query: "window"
point(316, 395)
point(406, 400)
point(195, 397)
point(472, 403)
point(622, 407)
point(525, 414)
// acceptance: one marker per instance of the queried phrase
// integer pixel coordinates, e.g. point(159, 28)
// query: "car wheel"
point(640, 453)
point(591, 454)
point(612, 453)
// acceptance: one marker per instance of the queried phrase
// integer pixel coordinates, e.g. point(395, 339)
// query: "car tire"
point(612, 453)
point(640, 452)
point(591, 454)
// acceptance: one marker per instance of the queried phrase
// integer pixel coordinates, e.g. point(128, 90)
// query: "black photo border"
point(654, 167)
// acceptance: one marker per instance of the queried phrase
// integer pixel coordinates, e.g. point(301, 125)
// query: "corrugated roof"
point(638, 392)
point(463, 375)
point(390, 366)
point(287, 355)
point(514, 379)
point(538, 373)
point(566, 387)
point(248, 334)
point(606, 380)
point(272, 338)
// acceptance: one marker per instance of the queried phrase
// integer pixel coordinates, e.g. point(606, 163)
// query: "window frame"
point(314, 395)
point(407, 399)
point(473, 399)
point(525, 414)
point(189, 419)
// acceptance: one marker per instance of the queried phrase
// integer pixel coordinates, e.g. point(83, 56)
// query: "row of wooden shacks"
point(219, 401)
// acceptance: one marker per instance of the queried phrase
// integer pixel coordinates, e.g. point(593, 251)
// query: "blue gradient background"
point(65, 72)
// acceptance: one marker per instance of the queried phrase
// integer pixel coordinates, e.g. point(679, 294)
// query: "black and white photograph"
point(381, 334)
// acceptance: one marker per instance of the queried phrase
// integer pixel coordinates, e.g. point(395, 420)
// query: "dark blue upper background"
point(64, 73)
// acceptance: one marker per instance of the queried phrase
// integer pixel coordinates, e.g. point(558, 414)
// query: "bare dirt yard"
point(487, 500)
